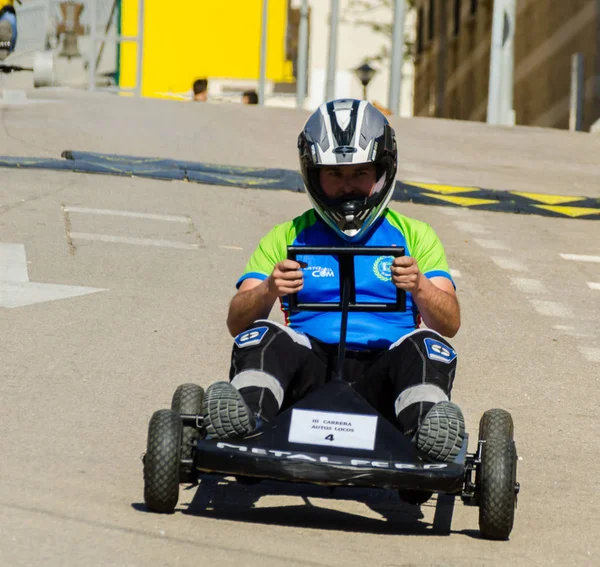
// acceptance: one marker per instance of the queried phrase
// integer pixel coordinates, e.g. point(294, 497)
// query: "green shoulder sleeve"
point(272, 248)
point(423, 245)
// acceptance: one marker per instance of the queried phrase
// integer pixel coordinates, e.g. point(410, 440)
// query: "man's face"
point(347, 181)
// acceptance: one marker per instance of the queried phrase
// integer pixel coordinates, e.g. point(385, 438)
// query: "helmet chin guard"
point(348, 132)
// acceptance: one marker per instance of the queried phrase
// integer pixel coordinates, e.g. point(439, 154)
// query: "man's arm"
point(252, 301)
point(255, 298)
point(438, 305)
point(435, 297)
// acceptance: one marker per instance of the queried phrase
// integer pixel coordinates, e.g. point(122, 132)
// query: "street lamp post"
point(365, 73)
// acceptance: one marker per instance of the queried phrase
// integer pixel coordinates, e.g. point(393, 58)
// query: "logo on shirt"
point(382, 268)
point(320, 272)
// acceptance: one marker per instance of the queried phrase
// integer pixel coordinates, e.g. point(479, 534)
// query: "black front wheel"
point(161, 462)
point(187, 399)
point(497, 475)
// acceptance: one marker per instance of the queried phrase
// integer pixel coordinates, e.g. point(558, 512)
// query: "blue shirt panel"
point(366, 330)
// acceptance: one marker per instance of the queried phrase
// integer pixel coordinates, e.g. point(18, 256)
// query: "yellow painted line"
point(448, 189)
point(462, 201)
point(548, 199)
point(570, 211)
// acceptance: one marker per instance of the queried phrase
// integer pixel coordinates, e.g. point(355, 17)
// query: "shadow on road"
point(219, 498)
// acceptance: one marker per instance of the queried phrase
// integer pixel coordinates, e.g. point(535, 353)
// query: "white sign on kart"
point(349, 430)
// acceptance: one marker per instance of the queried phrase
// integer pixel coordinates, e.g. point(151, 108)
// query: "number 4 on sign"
point(329, 437)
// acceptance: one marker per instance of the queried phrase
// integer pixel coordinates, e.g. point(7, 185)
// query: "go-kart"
point(333, 437)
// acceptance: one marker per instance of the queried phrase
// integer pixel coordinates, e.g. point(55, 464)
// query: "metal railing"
point(37, 22)
point(103, 35)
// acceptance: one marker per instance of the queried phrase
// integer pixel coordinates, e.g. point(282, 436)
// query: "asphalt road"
point(82, 375)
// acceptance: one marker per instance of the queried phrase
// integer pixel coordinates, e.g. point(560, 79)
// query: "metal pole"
point(508, 62)
point(140, 49)
point(92, 60)
point(333, 27)
point(500, 91)
point(577, 93)
point(493, 110)
point(397, 59)
point(106, 30)
point(301, 69)
point(263, 53)
point(48, 24)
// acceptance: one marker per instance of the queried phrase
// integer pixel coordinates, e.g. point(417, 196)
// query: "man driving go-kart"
point(348, 158)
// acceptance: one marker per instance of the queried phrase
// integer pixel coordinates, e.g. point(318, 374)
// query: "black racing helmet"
point(348, 132)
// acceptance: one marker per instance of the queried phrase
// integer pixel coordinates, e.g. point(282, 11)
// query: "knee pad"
point(263, 331)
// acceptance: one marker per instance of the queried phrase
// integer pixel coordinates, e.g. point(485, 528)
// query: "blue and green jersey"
point(372, 330)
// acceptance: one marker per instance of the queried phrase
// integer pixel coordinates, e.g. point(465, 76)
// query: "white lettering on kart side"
point(347, 461)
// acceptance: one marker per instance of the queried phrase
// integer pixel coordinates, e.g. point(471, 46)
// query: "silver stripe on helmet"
point(327, 157)
point(360, 116)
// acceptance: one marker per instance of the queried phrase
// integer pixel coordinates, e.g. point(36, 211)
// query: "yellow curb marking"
point(444, 188)
point(548, 199)
point(462, 201)
point(570, 211)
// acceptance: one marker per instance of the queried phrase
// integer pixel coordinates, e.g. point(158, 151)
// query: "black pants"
point(274, 366)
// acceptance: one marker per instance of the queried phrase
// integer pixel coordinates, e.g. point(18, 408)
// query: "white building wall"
point(354, 43)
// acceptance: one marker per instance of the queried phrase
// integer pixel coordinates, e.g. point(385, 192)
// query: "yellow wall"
point(188, 39)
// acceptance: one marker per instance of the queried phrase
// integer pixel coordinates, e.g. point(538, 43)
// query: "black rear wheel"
point(497, 475)
point(188, 399)
point(161, 462)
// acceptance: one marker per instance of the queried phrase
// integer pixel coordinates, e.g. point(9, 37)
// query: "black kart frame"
point(392, 462)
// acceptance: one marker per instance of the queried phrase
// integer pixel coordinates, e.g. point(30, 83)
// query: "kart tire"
point(496, 423)
point(161, 462)
point(188, 399)
point(497, 475)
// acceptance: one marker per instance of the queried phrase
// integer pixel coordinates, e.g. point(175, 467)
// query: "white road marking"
point(593, 285)
point(13, 264)
point(509, 264)
point(571, 331)
point(592, 354)
point(455, 273)
point(580, 258)
point(131, 240)
point(230, 247)
point(491, 244)
point(149, 216)
point(17, 291)
point(471, 227)
point(528, 285)
point(550, 308)
point(20, 294)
